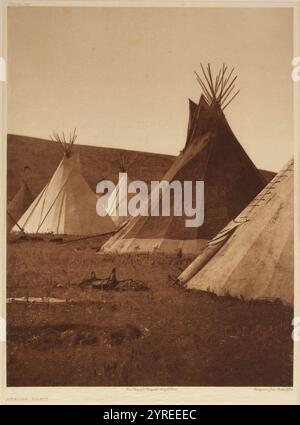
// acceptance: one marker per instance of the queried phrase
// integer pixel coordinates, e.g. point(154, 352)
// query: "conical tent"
point(66, 205)
point(212, 154)
point(119, 195)
point(253, 256)
point(18, 205)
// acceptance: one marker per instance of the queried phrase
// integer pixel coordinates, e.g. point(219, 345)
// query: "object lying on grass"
point(35, 300)
point(112, 282)
point(55, 301)
point(26, 238)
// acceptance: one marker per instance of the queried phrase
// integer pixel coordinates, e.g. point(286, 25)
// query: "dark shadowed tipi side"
point(66, 205)
point(253, 256)
point(211, 154)
point(20, 202)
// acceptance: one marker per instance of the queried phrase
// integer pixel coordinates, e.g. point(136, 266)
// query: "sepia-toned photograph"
point(150, 196)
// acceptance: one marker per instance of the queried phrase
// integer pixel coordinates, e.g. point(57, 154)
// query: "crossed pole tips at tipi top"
point(123, 162)
point(219, 90)
point(66, 145)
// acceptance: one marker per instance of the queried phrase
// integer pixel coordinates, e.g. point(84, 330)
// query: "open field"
point(162, 336)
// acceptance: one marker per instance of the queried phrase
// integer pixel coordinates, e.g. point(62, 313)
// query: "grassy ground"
point(162, 336)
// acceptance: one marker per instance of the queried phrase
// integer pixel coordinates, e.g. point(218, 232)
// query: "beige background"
point(123, 76)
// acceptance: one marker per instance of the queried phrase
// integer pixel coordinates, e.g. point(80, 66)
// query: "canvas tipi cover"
point(212, 154)
point(66, 205)
point(118, 196)
point(18, 205)
point(253, 257)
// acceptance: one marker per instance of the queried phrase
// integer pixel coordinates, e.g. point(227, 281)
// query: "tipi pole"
point(15, 222)
point(98, 235)
point(67, 179)
point(36, 201)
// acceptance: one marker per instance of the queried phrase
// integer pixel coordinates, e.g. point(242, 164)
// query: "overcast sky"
point(123, 76)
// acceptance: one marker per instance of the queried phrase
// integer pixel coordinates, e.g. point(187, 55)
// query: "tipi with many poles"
point(211, 154)
point(66, 205)
point(253, 256)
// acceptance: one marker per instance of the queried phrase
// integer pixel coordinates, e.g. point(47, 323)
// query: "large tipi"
point(19, 204)
point(211, 154)
point(66, 205)
point(253, 256)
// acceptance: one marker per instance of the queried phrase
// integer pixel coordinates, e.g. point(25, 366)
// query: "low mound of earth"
point(43, 157)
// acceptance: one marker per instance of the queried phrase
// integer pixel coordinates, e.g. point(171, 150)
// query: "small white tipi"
point(119, 195)
point(252, 257)
point(66, 205)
